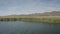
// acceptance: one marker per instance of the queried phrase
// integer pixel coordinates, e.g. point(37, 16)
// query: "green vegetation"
point(40, 20)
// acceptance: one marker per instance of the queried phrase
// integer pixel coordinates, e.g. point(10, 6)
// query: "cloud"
point(8, 7)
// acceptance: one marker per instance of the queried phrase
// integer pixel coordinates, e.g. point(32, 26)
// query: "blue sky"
point(9, 7)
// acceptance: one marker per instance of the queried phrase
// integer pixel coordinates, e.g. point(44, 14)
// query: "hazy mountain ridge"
point(53, 13)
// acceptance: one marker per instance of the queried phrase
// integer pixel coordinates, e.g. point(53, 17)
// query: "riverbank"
point(33, 19)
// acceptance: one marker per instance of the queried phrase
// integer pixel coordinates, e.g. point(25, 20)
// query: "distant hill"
point(53, 13)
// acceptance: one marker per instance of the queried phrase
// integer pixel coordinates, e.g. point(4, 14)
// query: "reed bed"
point(40, 20)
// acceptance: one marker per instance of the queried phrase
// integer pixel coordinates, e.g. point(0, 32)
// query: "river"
point(20, 27)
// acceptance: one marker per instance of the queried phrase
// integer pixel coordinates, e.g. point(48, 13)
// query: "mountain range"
point(52, 13)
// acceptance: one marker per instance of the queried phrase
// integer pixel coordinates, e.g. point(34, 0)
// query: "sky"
point(17, 7)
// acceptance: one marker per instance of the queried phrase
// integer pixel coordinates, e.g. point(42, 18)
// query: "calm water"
point(28, 28)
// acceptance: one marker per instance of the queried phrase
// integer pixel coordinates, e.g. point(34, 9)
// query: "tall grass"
point(40, 20)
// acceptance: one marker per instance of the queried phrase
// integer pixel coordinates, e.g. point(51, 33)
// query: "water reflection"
point(18, 27)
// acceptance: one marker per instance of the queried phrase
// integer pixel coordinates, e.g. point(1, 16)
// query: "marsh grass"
point(40, 20)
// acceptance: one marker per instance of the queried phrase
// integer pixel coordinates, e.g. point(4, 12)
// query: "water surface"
point(19, 27)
